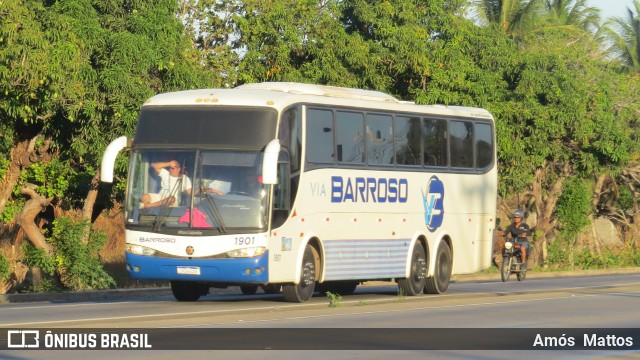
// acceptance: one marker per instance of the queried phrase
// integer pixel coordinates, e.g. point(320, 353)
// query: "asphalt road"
point(484, 302)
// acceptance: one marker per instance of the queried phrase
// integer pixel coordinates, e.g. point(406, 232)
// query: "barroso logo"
point(433, 200)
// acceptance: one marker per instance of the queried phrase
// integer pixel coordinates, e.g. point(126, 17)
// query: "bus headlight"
point(140, 250)
point(247, 252)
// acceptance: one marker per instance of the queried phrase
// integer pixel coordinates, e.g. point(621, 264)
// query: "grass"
point(335, 300)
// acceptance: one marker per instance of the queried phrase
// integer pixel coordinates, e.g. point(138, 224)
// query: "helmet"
point(518, 213)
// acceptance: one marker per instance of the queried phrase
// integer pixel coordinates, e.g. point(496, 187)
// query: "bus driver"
point(169, 179)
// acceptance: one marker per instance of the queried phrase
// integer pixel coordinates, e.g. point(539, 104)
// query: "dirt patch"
point(112, 255)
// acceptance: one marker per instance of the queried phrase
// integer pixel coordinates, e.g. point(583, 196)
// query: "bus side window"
point(290, 135)
point(461, 144)
point(484, 145)
point(281, 192)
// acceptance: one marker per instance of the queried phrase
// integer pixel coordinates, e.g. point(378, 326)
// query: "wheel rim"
point(422, 269)
point(419, 268)
point(308, 274)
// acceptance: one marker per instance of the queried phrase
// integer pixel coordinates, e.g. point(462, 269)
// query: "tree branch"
point(26, 218)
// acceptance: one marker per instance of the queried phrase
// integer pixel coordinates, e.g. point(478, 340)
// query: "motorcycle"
point(512, 260)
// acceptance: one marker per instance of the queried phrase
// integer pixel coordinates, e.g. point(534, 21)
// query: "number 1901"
point(248, 240)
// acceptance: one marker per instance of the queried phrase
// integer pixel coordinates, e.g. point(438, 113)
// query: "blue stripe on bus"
point(211, 270)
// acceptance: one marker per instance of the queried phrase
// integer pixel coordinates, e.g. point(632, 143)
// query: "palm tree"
point(511, 16)
point(573, 14)
point(624, 34)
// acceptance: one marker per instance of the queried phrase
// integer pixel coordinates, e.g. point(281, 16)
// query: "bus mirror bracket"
point(109, 158)
point(270, 163)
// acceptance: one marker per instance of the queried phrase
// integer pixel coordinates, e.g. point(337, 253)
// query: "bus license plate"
point(188, 270)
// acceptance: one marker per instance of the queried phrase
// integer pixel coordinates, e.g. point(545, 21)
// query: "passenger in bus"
point(214, 189)
point(173, 183)
point(250, 184)
point(212, 185)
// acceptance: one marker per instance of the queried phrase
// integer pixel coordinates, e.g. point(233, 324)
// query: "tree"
point(211, 26)
point(512, 17)
point(302, 41)
point(71, 74)
point(563, 118)
point(573, 15)
point(624, 35)
point(406, 40)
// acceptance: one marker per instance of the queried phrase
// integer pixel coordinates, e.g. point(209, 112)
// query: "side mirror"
point(270, 163)
point(109, 158)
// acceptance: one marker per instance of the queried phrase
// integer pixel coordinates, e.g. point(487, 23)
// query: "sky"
point(609, 8)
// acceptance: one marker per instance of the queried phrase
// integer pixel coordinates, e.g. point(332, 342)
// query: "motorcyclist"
point(518, 230)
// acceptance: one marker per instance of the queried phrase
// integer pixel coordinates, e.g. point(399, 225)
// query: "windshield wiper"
point(215, 212)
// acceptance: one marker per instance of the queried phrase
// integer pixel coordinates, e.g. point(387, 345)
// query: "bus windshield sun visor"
point(228, 127)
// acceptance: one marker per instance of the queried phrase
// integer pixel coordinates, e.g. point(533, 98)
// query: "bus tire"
point(188, 291)
point(302, 291)
point(414, 284)
point(248, 289)
point(439, 282)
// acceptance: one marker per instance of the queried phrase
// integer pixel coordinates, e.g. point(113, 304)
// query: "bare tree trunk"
point(22, 155)
point(89, 202)
point(598, 190)
point(27, 217)
point(92, 195)
point(545, 204)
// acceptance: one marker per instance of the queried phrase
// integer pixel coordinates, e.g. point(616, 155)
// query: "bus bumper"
point(237, 270)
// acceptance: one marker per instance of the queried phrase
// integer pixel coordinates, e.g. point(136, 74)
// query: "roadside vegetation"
point(562, 83)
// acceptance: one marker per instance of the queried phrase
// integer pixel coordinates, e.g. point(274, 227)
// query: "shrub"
point(77, 249)
point(34, 257)
point(558, 253)
point(75, 257)
point(574, 207)
point(5, 268)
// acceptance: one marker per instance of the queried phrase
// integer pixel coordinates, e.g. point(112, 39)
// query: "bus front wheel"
point(303, 291)
point(248, 289)
point(188, 291)
point(439, 282)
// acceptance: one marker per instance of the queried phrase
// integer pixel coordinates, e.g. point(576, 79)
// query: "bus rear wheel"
point(414, 284)
point(303, 291)
point(440, 280)
point(188, 291)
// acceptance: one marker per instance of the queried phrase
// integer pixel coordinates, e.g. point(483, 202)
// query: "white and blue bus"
point(306, 188)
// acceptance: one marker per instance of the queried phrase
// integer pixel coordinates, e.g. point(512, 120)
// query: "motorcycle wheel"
point(521, 274)
point(505, 268)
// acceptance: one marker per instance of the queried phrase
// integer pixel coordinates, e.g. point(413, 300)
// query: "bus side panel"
point(366, 222)
point(470, 219)
point(364, 225)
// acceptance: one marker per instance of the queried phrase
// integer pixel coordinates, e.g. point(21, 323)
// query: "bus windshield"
point(204, 189)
